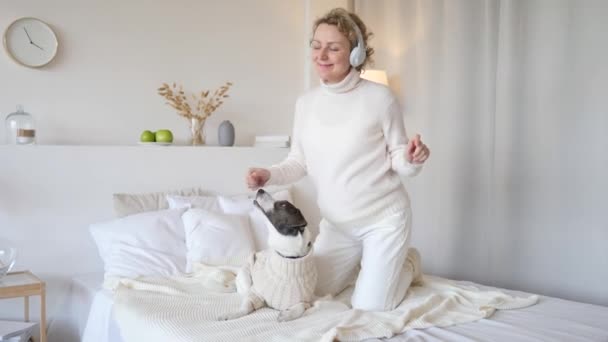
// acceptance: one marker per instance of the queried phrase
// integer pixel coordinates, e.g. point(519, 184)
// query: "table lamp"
point(378, 76)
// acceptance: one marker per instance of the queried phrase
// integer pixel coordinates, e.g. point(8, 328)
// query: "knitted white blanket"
point(183, 309)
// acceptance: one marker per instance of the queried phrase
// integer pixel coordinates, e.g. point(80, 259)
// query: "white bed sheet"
point(82, 292)
point(96, 323)
point(552, 319)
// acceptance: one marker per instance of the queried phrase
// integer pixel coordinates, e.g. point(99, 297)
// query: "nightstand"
point(26, 284)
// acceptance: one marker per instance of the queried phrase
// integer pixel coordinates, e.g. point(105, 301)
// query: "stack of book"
point(272, 141)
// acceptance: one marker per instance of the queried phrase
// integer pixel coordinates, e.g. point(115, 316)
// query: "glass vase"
point(197, 131)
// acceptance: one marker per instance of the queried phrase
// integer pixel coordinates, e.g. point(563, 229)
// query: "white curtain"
point(512, 98)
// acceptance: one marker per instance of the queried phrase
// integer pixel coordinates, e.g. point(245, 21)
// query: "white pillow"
point(214, 238)
point(237, 205)
point(243, 205)
point(145, 244)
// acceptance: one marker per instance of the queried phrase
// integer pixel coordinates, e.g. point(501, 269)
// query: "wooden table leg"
point(43, 314)
point(26, 308)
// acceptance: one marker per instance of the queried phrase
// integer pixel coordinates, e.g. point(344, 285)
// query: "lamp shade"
point(378, 76)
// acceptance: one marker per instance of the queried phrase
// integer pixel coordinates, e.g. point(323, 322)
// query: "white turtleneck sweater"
point(350, 139)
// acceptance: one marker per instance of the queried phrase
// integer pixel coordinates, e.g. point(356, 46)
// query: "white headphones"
point(358, 54)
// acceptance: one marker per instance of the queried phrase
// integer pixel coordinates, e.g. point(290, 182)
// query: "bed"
point(154, 298)
point(552, 319)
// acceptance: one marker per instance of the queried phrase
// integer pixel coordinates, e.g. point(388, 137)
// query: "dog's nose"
point(261, 191)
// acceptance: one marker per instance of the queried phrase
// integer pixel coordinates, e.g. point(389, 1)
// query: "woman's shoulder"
point(377, 93)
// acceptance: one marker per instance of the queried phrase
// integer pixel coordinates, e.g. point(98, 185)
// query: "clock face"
point(31, 42)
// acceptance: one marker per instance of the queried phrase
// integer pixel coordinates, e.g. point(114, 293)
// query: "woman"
point(349, 137)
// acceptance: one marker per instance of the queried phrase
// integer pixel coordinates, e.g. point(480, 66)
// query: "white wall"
point(113, 55)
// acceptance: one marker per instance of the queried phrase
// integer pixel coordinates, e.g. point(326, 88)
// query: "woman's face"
point(330, 53)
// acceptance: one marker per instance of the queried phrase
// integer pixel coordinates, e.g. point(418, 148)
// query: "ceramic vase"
point(225, 134)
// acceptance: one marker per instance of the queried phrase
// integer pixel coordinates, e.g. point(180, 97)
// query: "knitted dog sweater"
point(283, 282)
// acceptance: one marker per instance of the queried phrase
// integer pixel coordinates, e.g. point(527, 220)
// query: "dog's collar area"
point(290, 257)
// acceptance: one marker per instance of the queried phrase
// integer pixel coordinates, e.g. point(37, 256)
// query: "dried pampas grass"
point(205, 104)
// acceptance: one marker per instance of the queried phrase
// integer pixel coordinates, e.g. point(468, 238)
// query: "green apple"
point(164, 136)
point(147, 136)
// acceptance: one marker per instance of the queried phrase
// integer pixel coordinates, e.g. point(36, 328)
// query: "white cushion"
point(145, 244)
point(214, 238)
point(133, 203)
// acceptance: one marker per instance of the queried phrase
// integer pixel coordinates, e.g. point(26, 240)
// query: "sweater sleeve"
point(396, 141)
point(293, 168)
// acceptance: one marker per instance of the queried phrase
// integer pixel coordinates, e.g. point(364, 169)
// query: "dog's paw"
point(293, 312)
point(289, 315)
point(285, 316)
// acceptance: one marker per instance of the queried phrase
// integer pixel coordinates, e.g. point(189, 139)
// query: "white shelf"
point(10, 329)
point(141, 146)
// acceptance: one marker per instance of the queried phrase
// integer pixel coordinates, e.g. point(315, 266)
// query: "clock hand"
point(36, 45)
point(30, 38)
point(28, 35)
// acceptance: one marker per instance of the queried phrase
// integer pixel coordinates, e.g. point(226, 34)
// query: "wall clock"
point(30, 42)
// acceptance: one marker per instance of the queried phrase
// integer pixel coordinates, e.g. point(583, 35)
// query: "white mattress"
point(551, 319)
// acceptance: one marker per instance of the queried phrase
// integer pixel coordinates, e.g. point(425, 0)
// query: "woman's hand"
point(257, 178)
point(417, 151)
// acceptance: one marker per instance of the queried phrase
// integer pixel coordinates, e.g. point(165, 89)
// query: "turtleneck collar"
point(350, 82)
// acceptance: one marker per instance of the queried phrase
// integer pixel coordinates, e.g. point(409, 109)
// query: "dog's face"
point(287, 233)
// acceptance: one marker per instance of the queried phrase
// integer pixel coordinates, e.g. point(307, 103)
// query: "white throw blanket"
point(185, 309)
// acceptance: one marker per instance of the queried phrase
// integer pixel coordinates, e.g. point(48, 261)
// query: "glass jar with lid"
point(20, 128)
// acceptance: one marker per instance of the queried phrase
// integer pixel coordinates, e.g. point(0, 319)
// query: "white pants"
point(377, 252)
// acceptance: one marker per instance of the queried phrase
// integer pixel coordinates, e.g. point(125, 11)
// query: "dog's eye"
point(309, 243)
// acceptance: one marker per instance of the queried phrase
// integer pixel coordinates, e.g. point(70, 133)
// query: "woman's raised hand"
point(417, 151)
point(257, 178)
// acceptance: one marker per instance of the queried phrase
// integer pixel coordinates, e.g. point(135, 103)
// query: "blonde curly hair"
point(343, 19)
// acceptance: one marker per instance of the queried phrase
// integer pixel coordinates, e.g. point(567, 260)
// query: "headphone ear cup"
point(357, 56)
